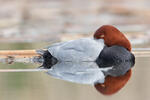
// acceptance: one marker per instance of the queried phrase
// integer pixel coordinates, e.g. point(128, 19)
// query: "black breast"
point(117, 57)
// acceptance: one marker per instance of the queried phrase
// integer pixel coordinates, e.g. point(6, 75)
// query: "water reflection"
point(82, 72)
point(38, 85)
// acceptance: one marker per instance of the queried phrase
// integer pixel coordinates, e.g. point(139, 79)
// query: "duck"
point(112, 36)
point(104, 60)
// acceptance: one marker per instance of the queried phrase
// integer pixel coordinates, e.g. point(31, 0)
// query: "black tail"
point(49, 60)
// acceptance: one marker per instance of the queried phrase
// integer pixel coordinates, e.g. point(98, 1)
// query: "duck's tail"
point(47, 59)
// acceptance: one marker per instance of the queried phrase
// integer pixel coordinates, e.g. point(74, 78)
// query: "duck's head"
point(112, 36)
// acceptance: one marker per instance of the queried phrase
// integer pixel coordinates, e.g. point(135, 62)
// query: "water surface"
point(38, 85)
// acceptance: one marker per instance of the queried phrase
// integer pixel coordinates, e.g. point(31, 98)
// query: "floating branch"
point(26, 56)
point(18, 53)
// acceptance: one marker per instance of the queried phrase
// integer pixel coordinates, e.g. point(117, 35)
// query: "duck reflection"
point(79, 72)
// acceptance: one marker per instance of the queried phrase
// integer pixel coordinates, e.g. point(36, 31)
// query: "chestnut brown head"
point(112, 36)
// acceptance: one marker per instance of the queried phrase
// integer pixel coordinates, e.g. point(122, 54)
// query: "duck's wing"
point(85, 49)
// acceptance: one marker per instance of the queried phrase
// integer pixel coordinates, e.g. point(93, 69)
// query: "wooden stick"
point(26, 56)
point(18, 53)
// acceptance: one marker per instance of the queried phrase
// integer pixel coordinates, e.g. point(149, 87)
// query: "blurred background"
point(33, 24)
